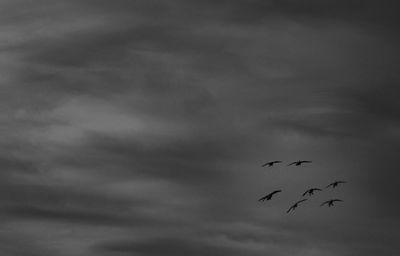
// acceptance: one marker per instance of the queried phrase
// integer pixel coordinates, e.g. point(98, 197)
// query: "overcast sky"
point(139, 127)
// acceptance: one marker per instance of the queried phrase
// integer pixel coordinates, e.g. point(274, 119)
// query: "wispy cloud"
point(139, 126)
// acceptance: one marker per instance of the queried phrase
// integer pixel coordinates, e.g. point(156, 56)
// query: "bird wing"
point(291, 207)
point(264, 164)
point(324, 203)
point(291, 163)
point(262, 198)
point(318, 189)
point(337, 200)
point(306, 161)
point(301, 201)
point(276, 191)
point(329, 185)
point(340, 181)
point(305, 193)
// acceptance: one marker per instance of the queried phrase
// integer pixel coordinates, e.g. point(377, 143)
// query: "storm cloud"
point(139, 127)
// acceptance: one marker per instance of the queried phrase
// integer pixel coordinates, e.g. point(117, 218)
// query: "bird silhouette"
point(269, 196)
point(335, 183)
point(271, 163)
point(295, 205)
point(330, 202)
point(297, 163)
point(310, 191)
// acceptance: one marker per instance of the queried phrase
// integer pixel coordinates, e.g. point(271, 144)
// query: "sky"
point(140, 127)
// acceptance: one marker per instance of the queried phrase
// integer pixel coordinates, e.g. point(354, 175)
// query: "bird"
point(311, 191)
point(335, 183)
point(295, 205)
point(297, 163)
point(269, 196)
point(330, 202)
point(271, 163)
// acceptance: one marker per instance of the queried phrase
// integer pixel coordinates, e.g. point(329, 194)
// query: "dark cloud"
point(171, 247)
point(191, 161)
point(138, 127)
point(17, 244)
point(365, 14)
point(40, 202)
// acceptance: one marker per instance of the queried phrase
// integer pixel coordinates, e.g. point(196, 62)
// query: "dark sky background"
point(139, 127)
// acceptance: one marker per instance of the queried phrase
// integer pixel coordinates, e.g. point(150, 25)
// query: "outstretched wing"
point(337, 200)
point(340, 181)
point(329, 185)
point(269, 195)
point(301, 201)
point(271, 163)
point(263, 198)
point(291, 207)
point(306, 161)
point(305, 193)
point(276, 191)
point(324, 203)
point(265, 164)
point(291, 163)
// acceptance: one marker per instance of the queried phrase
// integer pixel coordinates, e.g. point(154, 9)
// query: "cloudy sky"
point(139, 127)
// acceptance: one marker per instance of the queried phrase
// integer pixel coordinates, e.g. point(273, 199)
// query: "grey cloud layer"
point(138, 127)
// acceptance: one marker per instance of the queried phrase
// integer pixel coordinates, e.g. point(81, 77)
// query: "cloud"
point(63, 204)
point(170, 247)
point(140, 126)
point(18, 244)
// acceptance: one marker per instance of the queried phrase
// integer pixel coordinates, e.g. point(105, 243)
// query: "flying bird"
point(335, 184)
point(297, 163)
point(311, 191)
point(330, 202)
point(295, 205)
point(269, 196)
point(271, 163)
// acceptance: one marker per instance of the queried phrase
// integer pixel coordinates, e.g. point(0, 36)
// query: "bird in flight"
point(269, 196)
point(297, 163)
point(335, 184)
point(330, 202)
point(271, 163)
point(311, 191)
point(295, 205)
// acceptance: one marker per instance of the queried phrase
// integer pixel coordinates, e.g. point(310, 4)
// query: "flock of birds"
point(310, 191)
